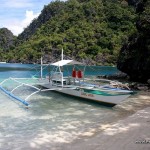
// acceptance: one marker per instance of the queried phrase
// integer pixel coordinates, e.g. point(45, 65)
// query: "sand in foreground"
point(131, 133)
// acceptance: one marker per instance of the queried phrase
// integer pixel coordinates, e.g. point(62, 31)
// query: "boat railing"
point(57, 78)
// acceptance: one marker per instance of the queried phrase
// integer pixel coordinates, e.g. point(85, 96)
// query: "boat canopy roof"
point(66, 62)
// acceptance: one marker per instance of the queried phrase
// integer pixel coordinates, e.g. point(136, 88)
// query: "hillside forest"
point(90, 31)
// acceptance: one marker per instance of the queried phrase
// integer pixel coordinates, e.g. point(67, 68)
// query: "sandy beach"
point(129, 133)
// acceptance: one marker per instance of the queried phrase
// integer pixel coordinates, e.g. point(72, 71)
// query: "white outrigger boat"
point(81, 87)
point(76, 84)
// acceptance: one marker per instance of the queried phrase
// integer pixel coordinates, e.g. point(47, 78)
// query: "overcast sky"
point(17, 14)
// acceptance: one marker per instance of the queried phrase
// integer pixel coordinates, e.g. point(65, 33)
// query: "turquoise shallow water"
point(28, 70)
point(52, 119)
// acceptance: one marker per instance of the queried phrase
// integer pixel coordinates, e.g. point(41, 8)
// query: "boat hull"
point(110, 99)
point(105, 97)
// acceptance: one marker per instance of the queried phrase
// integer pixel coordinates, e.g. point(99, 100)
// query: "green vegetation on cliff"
point(7, 40)
point(89, 30)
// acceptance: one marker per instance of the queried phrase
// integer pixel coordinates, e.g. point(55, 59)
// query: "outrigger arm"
point(10, 93)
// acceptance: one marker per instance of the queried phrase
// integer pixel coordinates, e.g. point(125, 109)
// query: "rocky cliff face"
point(47, 13)
point(134, 58)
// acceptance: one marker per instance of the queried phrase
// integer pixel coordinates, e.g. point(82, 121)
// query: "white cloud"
point(17, 26)
point(29, 17)
point(15, 14)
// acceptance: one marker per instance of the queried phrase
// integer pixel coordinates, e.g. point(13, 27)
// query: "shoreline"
point(129, 132)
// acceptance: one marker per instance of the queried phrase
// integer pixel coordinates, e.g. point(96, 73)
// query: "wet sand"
point(132, 132)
